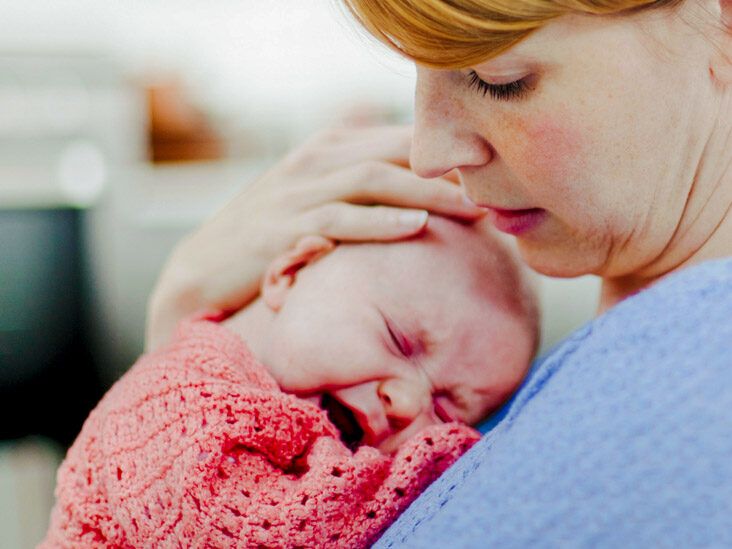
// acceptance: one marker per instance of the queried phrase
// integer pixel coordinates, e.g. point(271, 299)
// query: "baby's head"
point(389, 338)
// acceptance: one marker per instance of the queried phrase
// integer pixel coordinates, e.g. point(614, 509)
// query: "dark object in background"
point(48, 382)
point(178, 131)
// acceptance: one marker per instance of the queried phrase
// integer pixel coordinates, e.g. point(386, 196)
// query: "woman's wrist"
point(202, 274)
point(173, 297)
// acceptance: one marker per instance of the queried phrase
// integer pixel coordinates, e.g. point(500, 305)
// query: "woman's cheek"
point(545, 153)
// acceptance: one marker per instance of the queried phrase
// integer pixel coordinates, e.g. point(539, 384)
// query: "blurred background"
point(123, 124)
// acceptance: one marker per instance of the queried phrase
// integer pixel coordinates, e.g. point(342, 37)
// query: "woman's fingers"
point(349, 222)
point(371, 166)
point(339, 147)
point(382, 183)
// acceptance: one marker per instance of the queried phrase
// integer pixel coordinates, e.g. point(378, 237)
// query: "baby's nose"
point(403, 400)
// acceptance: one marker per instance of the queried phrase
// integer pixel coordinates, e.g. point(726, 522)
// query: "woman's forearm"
point(197, 277)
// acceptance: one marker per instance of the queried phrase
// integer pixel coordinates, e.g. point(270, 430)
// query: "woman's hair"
point(459, 33)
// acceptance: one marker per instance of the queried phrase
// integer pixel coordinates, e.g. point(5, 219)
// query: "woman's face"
point(600, 140)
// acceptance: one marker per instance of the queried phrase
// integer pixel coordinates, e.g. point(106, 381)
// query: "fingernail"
point(413, 218)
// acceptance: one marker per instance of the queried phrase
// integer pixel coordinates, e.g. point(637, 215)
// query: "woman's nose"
point(403, 400)
point(444, 136)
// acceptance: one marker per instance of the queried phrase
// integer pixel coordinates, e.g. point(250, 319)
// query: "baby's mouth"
point(344, 420)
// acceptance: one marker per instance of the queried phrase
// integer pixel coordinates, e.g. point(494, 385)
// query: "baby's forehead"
point(449, 261)
point(463, 245)
point(423, 264)
point(455, 256)
point(434, 273)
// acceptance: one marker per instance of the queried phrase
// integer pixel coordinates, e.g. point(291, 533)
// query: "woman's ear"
point(281, 274)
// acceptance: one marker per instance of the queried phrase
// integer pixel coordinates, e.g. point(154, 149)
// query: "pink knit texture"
point(196, 446)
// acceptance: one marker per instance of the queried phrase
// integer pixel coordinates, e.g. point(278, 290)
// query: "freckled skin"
point(607, 140)
point(547, 145)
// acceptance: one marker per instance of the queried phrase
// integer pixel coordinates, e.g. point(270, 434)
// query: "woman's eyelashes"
point(501, 92)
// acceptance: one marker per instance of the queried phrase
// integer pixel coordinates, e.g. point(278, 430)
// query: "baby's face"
point(391, 338)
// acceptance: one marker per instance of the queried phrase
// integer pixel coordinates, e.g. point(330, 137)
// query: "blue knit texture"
point(621, 437)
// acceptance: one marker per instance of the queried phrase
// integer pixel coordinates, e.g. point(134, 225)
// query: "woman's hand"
point(344, 184)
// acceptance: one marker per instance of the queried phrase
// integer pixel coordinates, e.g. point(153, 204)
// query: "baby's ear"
point(281, 274)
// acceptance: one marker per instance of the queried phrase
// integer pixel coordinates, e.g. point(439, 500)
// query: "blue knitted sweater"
point(621, 437)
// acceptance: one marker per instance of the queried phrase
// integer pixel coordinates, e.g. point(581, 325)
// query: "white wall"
point(279, 62)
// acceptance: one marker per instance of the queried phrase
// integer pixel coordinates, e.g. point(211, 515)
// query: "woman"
point(597, 132)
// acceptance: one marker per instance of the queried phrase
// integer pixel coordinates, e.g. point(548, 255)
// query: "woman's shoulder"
point(692, 303)
point(685, 316)
point(683, 323)
point(690, 291)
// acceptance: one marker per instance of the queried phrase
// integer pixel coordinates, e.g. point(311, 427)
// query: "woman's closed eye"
point(500, 92)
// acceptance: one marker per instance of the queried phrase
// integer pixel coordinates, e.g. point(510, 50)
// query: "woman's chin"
point(557, 263)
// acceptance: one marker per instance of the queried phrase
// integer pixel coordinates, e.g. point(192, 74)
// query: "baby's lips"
point(374, 425)
point(373, 432)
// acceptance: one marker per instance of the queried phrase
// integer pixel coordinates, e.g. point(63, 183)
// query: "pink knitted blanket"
point(196, 446)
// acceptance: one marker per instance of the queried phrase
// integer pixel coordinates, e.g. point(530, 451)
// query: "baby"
point(362, 366)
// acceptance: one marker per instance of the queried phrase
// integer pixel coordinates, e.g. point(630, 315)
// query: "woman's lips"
point(516, 222)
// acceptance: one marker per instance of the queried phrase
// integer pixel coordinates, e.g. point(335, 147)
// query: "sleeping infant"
point(316, 414)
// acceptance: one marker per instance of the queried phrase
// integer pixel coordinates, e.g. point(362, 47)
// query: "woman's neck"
point(717, 245)
point(704, 230)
